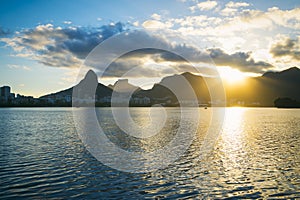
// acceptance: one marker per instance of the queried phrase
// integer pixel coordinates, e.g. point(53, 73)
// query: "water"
point(255, 156)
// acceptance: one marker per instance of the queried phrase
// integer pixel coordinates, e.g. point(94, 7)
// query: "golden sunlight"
point(230, 75)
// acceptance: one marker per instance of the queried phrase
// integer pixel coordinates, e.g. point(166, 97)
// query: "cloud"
point(197, 21)
point(157, 63)
point(146, 63)
point(207, 5)
point(60, 47)
point(192, 9)
point(285, 18)
point(231, 8)
point(11, 66)
point(281, 18)
point(239, 60)
point(67, 22)
point(136, 23)
point(246, 30)
point(130, 68)
point(4, 32)
point(67, 47)
point(232, 4)
point(287, 47)
point(155, 24)
point(26, 68)
point(250, 23)
point(228, 11)
point(156, 16)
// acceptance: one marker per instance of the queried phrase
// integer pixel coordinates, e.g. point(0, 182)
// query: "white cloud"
point(207, 5)
point(12, 66)
point(245, 22)
point(67, 22)
point(156, 16)
point(228, 11)
point(192, 9)
point(136, 23)
point(154, 24)
point(232, 4)
point(285, 18)
point(26, 68)
point(197, 21)
point(246, 30)
point(231, 8)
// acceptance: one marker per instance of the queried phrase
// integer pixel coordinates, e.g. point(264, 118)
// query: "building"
point(5, 91)
point(68, 98)
point(24, 100)
point(5, 94)
point(140, 100)
point(106, 99)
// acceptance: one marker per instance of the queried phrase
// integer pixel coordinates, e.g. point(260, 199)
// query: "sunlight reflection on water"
point(255, 156)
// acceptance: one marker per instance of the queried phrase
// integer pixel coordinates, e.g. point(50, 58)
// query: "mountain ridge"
point(258, 91)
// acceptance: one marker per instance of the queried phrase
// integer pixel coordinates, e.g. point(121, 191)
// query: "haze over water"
point(255, 156)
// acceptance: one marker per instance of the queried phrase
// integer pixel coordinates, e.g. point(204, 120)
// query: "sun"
point(231, 76)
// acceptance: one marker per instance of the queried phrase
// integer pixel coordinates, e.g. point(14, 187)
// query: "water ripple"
point(257, 156)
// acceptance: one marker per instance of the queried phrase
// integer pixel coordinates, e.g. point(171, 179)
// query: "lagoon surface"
point(256, 155)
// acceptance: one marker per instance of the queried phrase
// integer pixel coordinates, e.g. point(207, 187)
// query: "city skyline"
point(279, 89)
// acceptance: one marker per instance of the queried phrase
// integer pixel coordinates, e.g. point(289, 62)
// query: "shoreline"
point(1, 107)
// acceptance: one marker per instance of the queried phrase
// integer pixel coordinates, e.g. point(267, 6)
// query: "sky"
point(44, 45)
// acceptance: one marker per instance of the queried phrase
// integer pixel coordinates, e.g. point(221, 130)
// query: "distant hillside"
point(256, 91)
point(84, 85)
point(123, 86)
point(286, 103)
point(268, 87)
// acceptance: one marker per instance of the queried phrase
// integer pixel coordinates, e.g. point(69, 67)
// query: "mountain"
point(286, 103)
point(266, 88)
point(254, 91)
point(180, 87)
point(123, 86)
point(291, 74)
point(84, 89)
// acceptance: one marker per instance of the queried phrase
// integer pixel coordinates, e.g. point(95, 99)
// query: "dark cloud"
point(139, 53)
point(186, 53)
point(239, 60)
point(177, 53)
point(61, 47)
point(3, 32)
point(288, 47)
point(135, 61)
point(133, 64)
point(69, 46)
point(81, 41)
point(130, 69)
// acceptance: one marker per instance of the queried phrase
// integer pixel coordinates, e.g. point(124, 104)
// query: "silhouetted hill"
point(184, 87)
point(286, 103)
point(291, 74)
point(255, 91)
point(83, 88)
point(268, 87)
point(123, 86)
